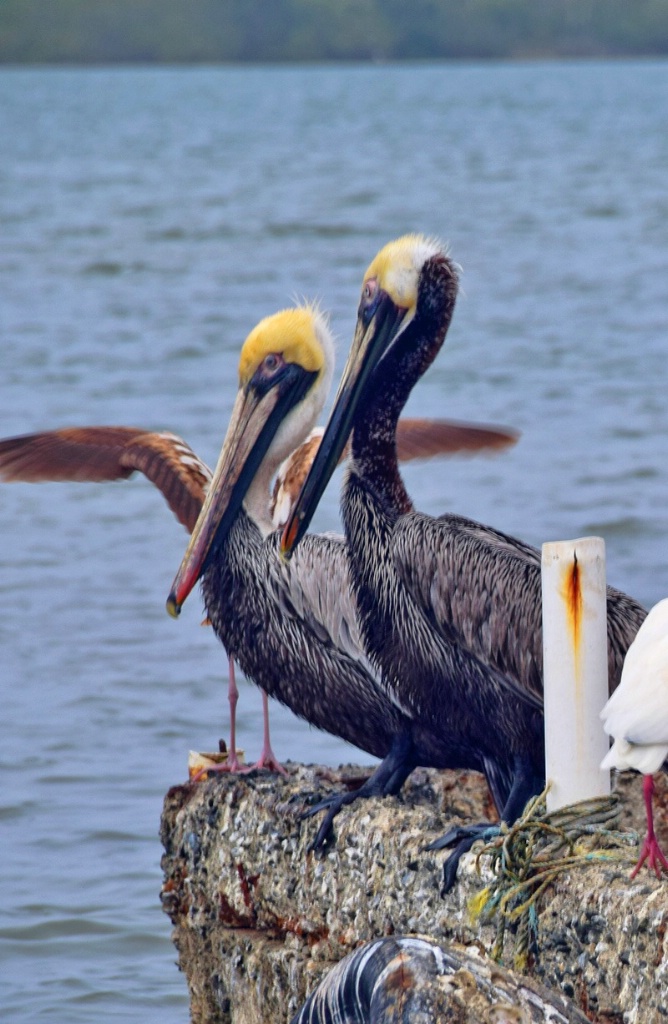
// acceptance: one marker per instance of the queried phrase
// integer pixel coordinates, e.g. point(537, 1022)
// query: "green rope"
point(527, 857)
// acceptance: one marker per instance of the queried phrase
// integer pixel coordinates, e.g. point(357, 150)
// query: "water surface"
point(148, 219)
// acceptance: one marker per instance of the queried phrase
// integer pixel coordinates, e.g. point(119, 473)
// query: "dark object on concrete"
point(410, 980)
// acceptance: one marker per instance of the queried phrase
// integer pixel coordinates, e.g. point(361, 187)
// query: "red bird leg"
point(267, 757)
point(651, 851)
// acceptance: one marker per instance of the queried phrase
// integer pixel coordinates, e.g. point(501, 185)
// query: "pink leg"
point(267, 757)
point(651, 851)
point(233, 764)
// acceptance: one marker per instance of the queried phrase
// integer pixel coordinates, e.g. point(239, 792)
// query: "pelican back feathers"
point(484, 587)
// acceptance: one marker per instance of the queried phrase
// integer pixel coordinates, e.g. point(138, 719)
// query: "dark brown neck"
point(374, 448)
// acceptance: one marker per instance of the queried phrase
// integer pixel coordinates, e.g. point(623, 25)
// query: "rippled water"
point(148, 219)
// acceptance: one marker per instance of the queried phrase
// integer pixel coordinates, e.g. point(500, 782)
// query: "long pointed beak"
point(370, 342)
point(237, 465)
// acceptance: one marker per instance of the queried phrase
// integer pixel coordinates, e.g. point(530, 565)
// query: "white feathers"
point(636, 715)
point(291, 475)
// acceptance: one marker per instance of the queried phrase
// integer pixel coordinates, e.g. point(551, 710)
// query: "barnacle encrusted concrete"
point(258, 921)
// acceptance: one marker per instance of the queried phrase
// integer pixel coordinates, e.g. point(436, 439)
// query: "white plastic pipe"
point(575, 669)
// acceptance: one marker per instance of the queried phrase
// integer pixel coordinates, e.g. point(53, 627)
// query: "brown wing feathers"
point(424, 438)
point(115, 453)
point(111, 453)
point(77, 453)
point(169, 463)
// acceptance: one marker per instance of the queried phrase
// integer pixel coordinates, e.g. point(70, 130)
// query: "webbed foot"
point(387, 780)
point(462, 839)
point(332, 804)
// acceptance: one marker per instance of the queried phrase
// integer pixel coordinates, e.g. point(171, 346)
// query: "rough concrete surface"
point(258, 921)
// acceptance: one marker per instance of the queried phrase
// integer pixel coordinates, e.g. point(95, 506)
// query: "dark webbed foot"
point(462, 839)
point(332, 804)
point(525, 781)
point(387, 780)
point(336, 802)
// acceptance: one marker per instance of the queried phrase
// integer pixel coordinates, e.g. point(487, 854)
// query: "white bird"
point(636, 716)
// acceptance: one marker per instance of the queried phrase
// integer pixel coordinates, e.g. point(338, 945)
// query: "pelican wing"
point(417, 438)
point(314, 586)
point(484, 588)
point(76, 453)
point(290, 476)
point(111, 453)
point(171, 464)
point(479, 587)
point(425, 438)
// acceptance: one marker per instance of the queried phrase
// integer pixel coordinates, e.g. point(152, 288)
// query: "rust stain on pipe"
point(571, 592)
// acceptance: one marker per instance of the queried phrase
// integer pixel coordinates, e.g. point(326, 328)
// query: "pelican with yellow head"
point(292, 628)
point(285, 370)
point(450, 609)
point(284, 373)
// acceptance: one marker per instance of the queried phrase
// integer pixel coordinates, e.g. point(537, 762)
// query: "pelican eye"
point(271, 363)
point(369, 300)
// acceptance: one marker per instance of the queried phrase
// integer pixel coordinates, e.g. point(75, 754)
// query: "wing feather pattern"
point(96, 454)
point(425, 438)
point(466, 578)
point(416, 439)
point(315, 587)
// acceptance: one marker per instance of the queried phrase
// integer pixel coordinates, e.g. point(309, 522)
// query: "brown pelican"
point(450, 609)
point(636, 716)
point(292, 628)
point(113, 453)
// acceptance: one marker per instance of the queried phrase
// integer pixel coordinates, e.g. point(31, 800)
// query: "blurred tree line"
point(185, 31)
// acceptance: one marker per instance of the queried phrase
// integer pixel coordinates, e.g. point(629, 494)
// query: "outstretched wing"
point(425, 438)
point(111, 453)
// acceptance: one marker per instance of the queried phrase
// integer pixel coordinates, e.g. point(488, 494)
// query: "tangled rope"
point(528, 856)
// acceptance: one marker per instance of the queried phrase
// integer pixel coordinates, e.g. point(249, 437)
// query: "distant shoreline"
point(240, 32)
point(127, 65)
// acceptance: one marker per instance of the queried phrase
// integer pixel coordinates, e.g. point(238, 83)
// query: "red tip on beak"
point(288, 538)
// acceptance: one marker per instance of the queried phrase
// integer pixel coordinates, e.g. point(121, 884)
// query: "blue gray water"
point(148, 218)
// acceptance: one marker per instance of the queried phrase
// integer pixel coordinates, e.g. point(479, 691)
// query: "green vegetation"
point(145, 31)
